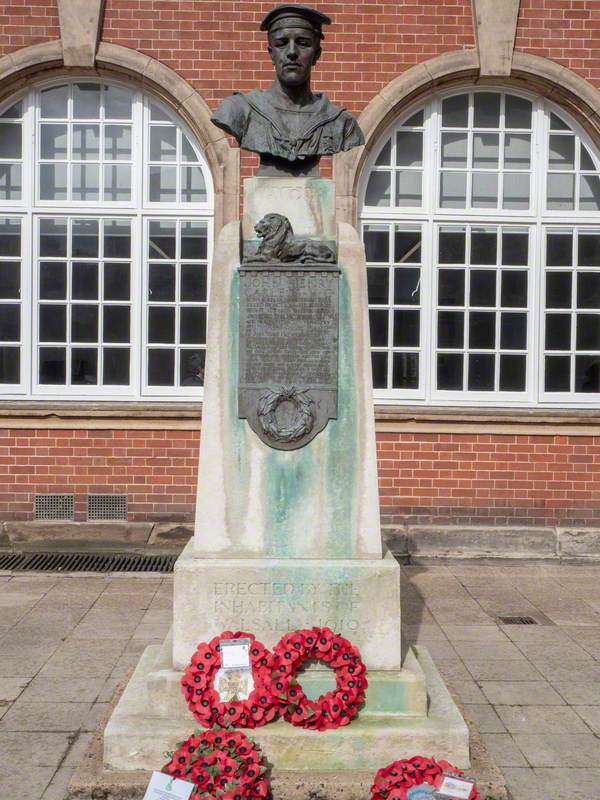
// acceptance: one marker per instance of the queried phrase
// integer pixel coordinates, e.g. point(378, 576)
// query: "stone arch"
point(549, 79)
point(20, 68)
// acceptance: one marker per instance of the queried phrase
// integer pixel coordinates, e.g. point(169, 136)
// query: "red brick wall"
point(26, 22)
point(424, 478)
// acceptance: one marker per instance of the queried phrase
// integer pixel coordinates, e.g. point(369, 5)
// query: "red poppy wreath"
point(333, 709)
point(394, 781)
point(197, 685)
point(220, 763)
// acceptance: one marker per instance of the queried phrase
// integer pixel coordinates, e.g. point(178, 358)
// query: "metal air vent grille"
point(53, 506)
point(107, 507)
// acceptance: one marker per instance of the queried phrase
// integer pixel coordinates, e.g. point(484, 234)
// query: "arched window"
point(105, 234)
point(480, 213)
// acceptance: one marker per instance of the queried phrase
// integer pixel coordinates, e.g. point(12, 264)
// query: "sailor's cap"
point(294, 16)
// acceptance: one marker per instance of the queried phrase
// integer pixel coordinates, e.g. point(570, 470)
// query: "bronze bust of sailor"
point(288, 125)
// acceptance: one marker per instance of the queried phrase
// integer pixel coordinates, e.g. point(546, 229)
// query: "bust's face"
point(293, 51)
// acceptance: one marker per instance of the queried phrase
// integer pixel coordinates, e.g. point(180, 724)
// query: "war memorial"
point(287, 534)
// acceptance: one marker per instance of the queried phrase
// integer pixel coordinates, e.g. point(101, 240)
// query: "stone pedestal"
point(291, 539)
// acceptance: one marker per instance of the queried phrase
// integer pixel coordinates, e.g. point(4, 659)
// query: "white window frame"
point(430, 216)
point(30, 209)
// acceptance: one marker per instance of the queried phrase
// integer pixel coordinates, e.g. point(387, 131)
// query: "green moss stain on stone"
point(290, 487)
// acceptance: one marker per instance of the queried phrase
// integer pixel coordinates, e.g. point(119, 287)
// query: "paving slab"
point(559, 750)
point(45, 716)
point(521, 693)
point(504, 750)
point(542, 719)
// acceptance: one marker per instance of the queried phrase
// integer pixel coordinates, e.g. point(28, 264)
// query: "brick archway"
point(546, 77)
point(22, 67)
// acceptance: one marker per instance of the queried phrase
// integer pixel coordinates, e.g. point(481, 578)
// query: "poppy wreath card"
point(220, 763)
point(197, 685)
point(333, 709)
point(395, 781)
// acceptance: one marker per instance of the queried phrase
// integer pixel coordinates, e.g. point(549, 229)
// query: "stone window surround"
point(459, 68)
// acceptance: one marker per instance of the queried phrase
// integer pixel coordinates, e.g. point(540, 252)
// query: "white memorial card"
point(456, 788)
point(235, 653)
point(165, 787)
point(234, 680)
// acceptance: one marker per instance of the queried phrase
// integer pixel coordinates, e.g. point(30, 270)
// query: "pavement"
point(533, 691)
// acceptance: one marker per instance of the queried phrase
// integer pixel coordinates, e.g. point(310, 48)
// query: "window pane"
point(589, 250)
point(378, 189)
point(10, 181)
point(486, 110)
point(10, 364)
point(116, 324)
point(408, 184)
point(588, 332)
point(561, 152)
point(557, 373)
point(455, 111)
point(378, 285)
point(10, 280)
point(117, 239)
point(589, 193)
point(558, 290)
point(117, 102)
point(409, 149)
point(450, 329)
point(53, 280)
point(405, 371)
point(117, 142)
point(161, 282)
point(515, 247)
point(117, 183)
point(193, 188)
point(86, 142)
point(513, 331)
point(518, 112)
point(484, 246)
point(451, 287)
point(453, 189)
point(10, 140)
point(54, 102)
point(10, 322)
point(377, 243)
point(84, 323)
point(516, 190)
point(84, 366)
point(558, 332)
point(414, 121)
point(161, 324)
point(560, 191)
point(191, 367)
point(53, 237)
point(187, 151)
point(163, 184)
point(194, 239)
point(406, 328)
point(452, 246)
point(454, 149)
point(193, 282)
point(86, 182)
point(559, 249)
point(116, 366)
point(517, 151)
point(193, 325)
point(486, 149)
point(513, 370)
point(163, 143)
point(450, 371)
point(483, 287)
point(86, 101)
point(588, 290)
point(162, 239)
point(587, 374)
point(85, 281)
point(84, 238)
point(116, 281)
point(53, 181)
point(13, 112)
point(157, 114)
point(407, 246)
point(481, 372)
point(379, 366)
point(378, 321)
point(514, 289)
point(53, 323)
point(53, 365)
point(10, 237)
point(586, 160)
point(485, 190)
point(482, 330)
point(385, 154)
point(407, 283)
point(161, 367)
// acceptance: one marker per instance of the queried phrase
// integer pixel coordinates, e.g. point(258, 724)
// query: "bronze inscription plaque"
point(289, 324)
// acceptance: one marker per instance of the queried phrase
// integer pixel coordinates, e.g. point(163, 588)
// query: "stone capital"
point(80, 23)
